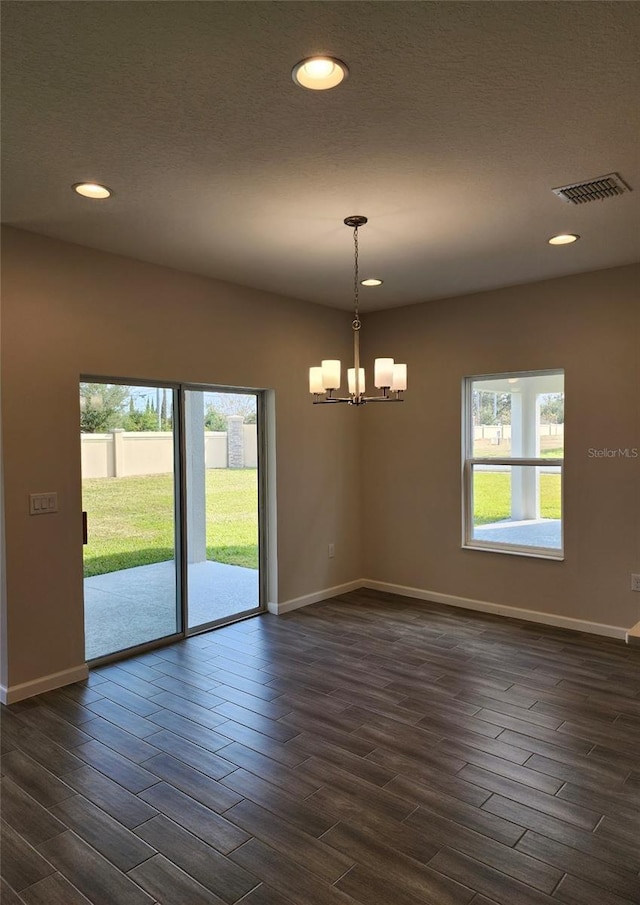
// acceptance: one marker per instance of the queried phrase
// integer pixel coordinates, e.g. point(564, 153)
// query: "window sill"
point(511, 550)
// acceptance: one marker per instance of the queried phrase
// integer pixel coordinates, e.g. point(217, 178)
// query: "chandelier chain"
point(356, 284)
point(391, 378)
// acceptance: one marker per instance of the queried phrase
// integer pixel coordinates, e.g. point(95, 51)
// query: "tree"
point(141, 421)
point(220, 405)
point(552, 408)
point(163, 409)
point(102, 406)
point(491, 408)
point(214, 420)
point(233, 404)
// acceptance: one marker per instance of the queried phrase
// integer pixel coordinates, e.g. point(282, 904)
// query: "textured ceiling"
point(455, 123)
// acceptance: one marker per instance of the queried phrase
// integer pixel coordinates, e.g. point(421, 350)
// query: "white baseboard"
point(633, 635)
point(467, 603)
point(287, 605)
point(15, 693)
point(578, 625)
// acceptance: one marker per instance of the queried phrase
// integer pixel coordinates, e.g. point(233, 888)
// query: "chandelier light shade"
point(325, 379)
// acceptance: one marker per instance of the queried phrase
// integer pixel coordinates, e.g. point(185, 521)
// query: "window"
point(513, 463)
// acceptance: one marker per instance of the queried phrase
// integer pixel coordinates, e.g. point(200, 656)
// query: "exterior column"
point(196, 477)
point(525, 442)
point(118, 452)
point(235, 441)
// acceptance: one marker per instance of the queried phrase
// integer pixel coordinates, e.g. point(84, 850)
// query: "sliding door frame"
point(180, 508)
point(179, 532)
point(261, 420)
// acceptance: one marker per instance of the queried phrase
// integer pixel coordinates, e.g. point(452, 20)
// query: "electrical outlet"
point(635, 581)
point(332, 552)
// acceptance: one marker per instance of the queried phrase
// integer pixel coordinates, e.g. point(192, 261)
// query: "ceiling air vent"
point(594, 190)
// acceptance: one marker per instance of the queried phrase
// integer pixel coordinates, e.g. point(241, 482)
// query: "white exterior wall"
point(151, 452)
point(215, 449)
point(147, 453)
point(97, 456)
point(250, 445)
point(492, 431)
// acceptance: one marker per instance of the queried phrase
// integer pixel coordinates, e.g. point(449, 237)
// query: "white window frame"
point(469, 461)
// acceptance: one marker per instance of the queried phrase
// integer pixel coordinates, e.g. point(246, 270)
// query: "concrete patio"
point(544, 532)
point(132, 606)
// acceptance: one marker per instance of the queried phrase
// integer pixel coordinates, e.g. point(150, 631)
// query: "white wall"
point(215, 449)
point(151, 452)
point(97, 456)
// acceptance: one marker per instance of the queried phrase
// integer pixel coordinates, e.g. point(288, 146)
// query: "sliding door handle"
point(85, 535)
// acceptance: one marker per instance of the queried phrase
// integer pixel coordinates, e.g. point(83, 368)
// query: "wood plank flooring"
point(368, 750)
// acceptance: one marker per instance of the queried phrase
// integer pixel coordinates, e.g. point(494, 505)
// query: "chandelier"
point(389, 377)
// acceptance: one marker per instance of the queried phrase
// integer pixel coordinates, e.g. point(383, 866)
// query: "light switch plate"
point(43, 503)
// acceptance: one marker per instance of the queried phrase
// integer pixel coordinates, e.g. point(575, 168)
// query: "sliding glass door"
point(171, 499)
point(129, 498)
point(222, 506)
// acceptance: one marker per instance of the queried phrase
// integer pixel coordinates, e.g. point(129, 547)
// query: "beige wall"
point(590, 326)
point(151, 452)
point(67, 311)
point(382, 471)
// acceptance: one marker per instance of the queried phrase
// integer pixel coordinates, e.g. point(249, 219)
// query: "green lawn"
point(131, 520)
point(492, 496)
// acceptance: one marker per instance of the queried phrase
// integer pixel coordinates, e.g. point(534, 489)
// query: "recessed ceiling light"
point(319, 73)
point(92, 190)
point(563, 239)
point(371, 282)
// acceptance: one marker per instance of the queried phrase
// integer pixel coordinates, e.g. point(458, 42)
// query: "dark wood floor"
point(370, 749)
